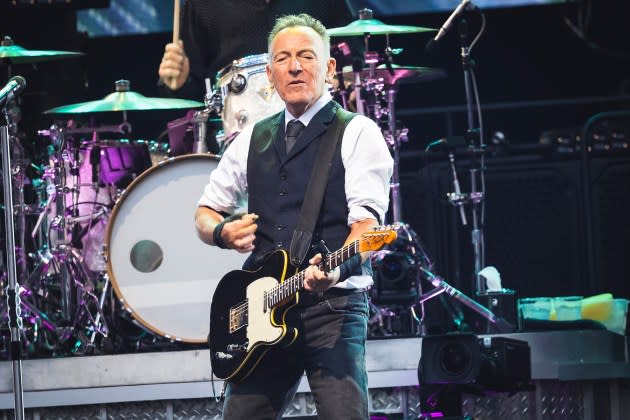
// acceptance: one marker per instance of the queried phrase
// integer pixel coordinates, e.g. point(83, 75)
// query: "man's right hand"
point(240, 234)
point(175, 67)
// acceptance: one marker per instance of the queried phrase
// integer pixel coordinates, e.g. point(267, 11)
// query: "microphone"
point(461, 8)
point(15, 85)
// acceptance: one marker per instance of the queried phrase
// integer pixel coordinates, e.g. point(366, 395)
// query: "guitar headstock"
point(375, 240)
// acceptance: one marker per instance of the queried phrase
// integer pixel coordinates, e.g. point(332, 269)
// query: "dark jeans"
point(331, 350)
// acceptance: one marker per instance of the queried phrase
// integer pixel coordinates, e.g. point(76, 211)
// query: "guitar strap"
point(303, 233)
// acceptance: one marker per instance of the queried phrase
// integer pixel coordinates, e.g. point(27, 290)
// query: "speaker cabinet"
point(609, 184)
point(532, 223)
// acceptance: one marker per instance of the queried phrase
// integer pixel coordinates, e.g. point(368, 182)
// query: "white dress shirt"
point(367, 163)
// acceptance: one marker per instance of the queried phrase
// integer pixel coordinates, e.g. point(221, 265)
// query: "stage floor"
point(555, 355)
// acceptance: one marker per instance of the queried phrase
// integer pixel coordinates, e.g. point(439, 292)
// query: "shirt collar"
point(310, 112)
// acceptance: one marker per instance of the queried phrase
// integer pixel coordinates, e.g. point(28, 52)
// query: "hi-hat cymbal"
point(125, 100)
point(400, 74)
point(14, 54)
point(375, 27)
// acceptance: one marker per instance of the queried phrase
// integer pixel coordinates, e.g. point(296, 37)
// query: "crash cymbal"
point(400, 74)
point(366, 24)
point(14, 54)
point(125, 100)
point(374, 27)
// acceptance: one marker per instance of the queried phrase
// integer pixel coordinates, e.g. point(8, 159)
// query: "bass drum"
point(161, 272)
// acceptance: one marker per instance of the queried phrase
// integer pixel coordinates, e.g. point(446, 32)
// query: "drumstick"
point(176, 21)
point(171, 82)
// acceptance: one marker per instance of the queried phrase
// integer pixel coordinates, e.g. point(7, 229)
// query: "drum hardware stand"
point(381, 320)
point(54, 132)
point(412, 246)
point(200, 119)
point(57, 252)
point(13, 288)
point(99, 324)
point(213, 105)
point(342, 55)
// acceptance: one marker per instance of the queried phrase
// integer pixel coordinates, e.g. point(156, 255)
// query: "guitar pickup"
point(238, 318)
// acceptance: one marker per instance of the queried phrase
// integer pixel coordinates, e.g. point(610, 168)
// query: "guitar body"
point(242, 328)
point(248, 310)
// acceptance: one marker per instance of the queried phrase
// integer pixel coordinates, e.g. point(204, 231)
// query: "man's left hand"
point(316, 280)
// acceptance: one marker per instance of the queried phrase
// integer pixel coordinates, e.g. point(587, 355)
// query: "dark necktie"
point(294, 128)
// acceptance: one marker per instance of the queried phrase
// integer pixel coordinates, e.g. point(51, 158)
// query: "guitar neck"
point(295, 283)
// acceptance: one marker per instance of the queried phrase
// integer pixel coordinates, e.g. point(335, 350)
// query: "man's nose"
point(295, 66)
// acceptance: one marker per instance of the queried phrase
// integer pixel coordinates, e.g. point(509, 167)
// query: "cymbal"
point(125, 100)
point(400, 75)
point(14, 54)
point(375, 27)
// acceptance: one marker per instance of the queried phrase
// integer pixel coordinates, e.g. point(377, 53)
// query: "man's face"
point(298, 66)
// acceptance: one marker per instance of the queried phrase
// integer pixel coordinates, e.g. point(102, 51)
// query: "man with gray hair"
point(268, 167)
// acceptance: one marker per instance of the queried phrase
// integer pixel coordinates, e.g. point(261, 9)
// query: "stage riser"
point(586, 400)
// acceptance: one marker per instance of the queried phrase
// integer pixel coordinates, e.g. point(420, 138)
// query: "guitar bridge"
point(238, 317)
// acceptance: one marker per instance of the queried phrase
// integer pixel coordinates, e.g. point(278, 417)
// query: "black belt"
point(312, 298)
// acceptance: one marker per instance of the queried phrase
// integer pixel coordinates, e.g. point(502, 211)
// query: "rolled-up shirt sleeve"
point(226, 190)
point(368, 168)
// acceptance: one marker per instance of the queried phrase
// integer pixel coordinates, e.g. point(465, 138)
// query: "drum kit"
point(116, 264)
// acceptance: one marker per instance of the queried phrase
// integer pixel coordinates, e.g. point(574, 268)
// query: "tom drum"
point(247, 94)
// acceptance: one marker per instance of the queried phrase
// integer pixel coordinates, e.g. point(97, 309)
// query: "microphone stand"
point(441, 286)
point(13, 288)
point(476, 147)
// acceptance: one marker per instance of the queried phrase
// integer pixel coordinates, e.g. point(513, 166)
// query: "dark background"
point(556, 220)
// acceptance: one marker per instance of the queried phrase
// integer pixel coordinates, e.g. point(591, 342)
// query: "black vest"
point(277, 184)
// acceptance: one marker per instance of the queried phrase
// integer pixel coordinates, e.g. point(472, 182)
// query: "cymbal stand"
point(13, 288)
point(394, 137)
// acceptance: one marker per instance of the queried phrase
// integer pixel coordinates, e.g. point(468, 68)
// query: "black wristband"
point(216, 235)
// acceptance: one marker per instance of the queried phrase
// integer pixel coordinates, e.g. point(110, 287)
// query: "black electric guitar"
point(247, 315)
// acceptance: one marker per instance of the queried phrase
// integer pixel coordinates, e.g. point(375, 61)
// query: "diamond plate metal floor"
point(576, 373)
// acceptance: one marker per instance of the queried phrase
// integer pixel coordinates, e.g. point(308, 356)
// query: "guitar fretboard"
point(295, 283)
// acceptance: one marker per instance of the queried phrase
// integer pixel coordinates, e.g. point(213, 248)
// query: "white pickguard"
point(259, 326)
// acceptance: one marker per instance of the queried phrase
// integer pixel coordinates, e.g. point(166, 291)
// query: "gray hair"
point(303, 19)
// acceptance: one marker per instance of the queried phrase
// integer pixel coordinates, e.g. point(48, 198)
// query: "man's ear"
point(331, 66)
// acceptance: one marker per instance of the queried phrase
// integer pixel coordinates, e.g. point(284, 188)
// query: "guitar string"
point(242, 308)
point(281, 289)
